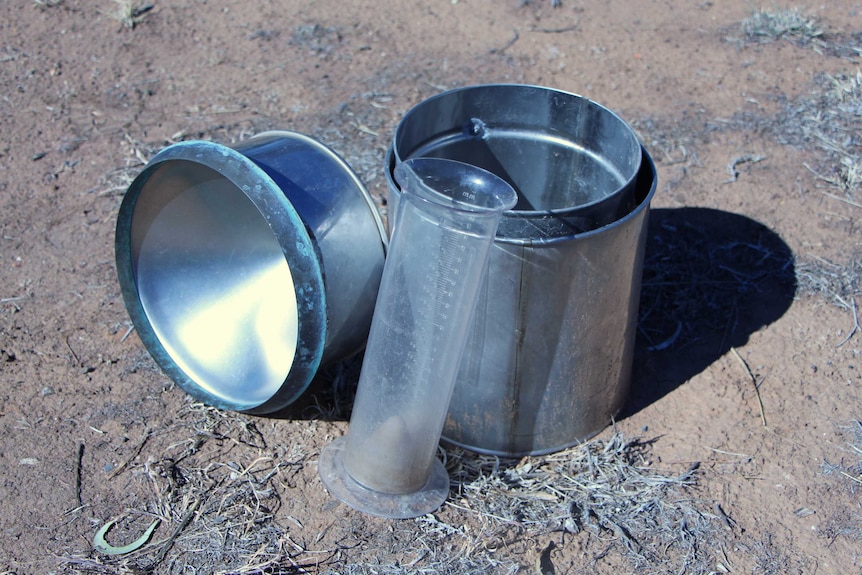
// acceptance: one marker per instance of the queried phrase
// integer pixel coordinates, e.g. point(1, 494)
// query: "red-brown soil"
point(92, 430)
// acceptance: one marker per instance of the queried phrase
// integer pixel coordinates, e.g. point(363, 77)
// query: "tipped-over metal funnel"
point(244, 268)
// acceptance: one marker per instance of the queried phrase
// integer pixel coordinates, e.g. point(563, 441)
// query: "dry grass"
point(135, 157)
point(765, 26)
point(854, 430)
point(838, 284)
point(833, 124)
point(130, 13)
point(770, 559)
point(847, 472)
point(605, 490)
point(604, 494)
point(828, 121)
point(671, 142)
point(137, 152)
point(215, 485)
point(474, 564)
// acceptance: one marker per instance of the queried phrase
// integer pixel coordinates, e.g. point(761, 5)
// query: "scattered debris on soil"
point(791, 24)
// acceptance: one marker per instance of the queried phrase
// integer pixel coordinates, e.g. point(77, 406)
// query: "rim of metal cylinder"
point(287, 245)
point(646, 179)
point(481, 110)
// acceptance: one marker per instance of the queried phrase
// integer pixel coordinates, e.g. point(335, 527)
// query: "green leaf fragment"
point(106, 548)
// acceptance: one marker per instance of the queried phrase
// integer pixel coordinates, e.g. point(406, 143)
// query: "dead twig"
point(753, 384)
point(725, 518)
point(72, 351)
point(669, 341)
point(840, 199)
point(743, 159)
point(128, 333)
point(364, 129)
point(183, 524)
point(571, 28)
point(847, 475)
point(78, 467)
point(135, 453)
point(855, 323)
point(11, 299)
point(507, 45)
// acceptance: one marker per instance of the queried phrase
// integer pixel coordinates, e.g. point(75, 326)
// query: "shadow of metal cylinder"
point(245, 268)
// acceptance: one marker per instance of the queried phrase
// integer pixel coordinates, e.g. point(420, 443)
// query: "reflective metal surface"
point(548, 361)
point(572, 161)
point(208, 269)
point(244, 268)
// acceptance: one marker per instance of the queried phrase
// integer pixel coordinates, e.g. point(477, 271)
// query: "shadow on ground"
point(711, 279)
point(329, 396)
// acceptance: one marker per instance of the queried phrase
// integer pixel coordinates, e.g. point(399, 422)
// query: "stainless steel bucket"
point(245, 268)
point(548, 361)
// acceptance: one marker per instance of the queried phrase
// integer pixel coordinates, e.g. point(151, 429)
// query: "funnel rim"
point(298, 249)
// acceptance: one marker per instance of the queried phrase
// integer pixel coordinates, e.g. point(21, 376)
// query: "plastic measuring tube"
point(447, 218)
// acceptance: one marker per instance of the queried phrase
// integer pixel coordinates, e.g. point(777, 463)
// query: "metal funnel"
point(244, 268)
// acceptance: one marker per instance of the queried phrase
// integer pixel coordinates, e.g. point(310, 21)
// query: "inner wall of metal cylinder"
point(547, 171)
point(214, 282)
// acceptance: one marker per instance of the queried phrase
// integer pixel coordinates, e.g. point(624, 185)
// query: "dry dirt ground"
point(739, 451)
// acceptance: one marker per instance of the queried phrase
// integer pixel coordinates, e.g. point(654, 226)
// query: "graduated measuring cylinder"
point(447, 218)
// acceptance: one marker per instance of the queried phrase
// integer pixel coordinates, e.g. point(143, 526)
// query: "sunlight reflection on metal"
point(219, 292)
